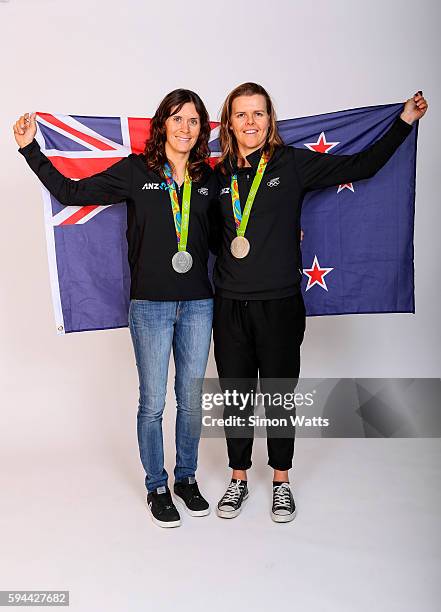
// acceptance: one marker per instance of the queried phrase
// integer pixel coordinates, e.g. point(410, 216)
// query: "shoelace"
point(233, 492)
point(282, 498)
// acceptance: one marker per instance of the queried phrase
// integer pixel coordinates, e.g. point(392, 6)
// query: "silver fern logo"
point(274, 182)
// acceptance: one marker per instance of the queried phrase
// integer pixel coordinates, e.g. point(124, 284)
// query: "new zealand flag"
point(357, 248)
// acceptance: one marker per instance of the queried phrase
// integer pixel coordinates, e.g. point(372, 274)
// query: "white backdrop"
point(120, 57)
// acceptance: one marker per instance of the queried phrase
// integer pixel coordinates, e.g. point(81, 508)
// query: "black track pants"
point(251, 338)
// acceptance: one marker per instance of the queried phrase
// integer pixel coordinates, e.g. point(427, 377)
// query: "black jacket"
point(273, 266)
point(151, 232)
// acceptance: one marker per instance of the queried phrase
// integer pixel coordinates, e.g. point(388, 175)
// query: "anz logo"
point(162, 186)
point(274, 182)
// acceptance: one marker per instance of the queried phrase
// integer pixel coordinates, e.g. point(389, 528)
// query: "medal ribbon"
point(240, 219)
point(181, 222)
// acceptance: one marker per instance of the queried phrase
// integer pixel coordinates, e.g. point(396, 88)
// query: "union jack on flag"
point(87, 247)
point(358, 246)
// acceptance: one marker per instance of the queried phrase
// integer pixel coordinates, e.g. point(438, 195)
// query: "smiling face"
point(249, 122)
point(182, 129)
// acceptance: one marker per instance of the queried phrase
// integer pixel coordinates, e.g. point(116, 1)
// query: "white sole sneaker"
point(165, 524)
point(283, 518)
point(191, 512)
point(231, 513)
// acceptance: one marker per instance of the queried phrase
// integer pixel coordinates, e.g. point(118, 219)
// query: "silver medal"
point(182, 261)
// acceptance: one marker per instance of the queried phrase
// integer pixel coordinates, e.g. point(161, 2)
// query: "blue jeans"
point(156, 327)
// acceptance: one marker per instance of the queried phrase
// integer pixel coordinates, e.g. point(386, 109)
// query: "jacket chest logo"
point(274, 182)
point(161, 186)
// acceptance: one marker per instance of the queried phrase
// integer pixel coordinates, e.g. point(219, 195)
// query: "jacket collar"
point(253, 159)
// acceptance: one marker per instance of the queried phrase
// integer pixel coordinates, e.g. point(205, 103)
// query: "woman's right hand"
point(25, 129)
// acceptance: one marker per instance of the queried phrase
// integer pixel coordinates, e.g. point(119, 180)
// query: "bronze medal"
point(240, 247)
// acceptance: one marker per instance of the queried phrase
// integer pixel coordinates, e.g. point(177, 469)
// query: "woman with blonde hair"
point(259, 313)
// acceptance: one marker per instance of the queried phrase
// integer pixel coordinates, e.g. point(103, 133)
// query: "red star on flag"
point(321, 146)
point(345, 186)
point(316, 275)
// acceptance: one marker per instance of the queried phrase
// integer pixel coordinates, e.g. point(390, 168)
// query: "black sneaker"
point(231, 503)
point(188, 494)
point(284, 508)
point(162, 508)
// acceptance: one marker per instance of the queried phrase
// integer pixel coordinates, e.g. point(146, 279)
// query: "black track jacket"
point(272, 268)
point(151, 231)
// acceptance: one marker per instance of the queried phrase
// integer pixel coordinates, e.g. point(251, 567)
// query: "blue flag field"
point(357, 249)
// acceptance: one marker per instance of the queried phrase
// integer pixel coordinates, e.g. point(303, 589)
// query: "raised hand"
point(25, 129)
point(414, 108)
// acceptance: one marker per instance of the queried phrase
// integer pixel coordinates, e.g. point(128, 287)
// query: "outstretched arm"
point(107, 187)
point(319, 170)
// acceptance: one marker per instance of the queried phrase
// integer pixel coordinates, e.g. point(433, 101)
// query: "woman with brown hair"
point(259, 313)
point(169, 192)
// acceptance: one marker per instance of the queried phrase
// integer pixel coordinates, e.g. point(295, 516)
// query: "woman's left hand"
point(414, 108)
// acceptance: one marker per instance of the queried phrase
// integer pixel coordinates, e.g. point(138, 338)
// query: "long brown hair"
point(155, 145)
point(227, 139)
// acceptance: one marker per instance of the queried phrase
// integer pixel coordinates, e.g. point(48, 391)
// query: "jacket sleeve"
point(214, 217)
point(215, 221)
point(108, 187)
point(319, 170)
